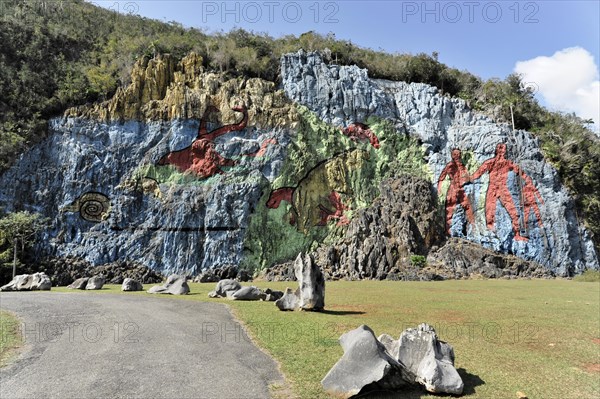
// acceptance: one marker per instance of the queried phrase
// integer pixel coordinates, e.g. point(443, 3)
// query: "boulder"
point(175, 285)
point(311, 281)
point(365, 363)
point(95, 283)
point(28, 282)
point(248, 294)
point(225, 286)
point(130, 284)
point(79, 284)
point(272, 295)
point(290, 300)
point(429, 360)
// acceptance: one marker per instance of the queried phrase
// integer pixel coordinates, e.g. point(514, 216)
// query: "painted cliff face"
point(225, 171)
point(499, 193)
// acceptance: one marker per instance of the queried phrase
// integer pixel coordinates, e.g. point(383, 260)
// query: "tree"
point(19, 228)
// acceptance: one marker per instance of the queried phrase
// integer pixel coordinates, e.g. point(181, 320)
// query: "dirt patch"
point(592, 368)
point(450, 316)
point(596, 340)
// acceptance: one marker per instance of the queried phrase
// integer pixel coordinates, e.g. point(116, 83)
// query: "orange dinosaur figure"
point(498, 168)
point(459, 176)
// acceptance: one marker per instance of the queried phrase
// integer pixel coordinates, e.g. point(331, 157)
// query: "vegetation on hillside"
point(58, 54)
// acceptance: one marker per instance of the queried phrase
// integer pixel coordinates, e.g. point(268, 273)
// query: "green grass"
point(540, 337)
point(10, 337)
point(589, 276)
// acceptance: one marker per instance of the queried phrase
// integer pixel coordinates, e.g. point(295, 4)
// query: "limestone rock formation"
point(225, 288)
point(370, 363)
point(341, 95)
point(145, 177)
point(380, 239)
point(79, 284)
point(95, 283)
point(290, 300)
point(130, 284)
point(175, 285)
point(459, 258)
point(429, 360)
point(365, 362)
point(29, 282)
point(311, 282)
point(248, 294)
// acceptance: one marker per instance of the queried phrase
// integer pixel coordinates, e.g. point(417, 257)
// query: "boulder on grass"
point(95, 283)
point(290, 300)
point(224, 287)
point(29, 282)
point(175, 285)
point(365, 363)
point(430, 361)
point(130, 284)
point(248, 294)
point(312, 283)
point(79, 284)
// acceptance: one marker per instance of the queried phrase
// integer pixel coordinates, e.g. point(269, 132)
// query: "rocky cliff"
point(185, 170)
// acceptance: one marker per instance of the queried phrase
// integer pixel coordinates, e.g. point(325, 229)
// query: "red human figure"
point(530, 197)
point(498, 168)
point(459, 176)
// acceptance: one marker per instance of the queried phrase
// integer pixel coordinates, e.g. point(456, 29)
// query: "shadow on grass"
point(340, 312)
point(416, 392)
point(471, 381)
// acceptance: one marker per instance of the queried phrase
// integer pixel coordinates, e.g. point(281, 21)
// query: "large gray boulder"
point(428, 360)
point(79, 284)
point(130, 284)
point(365, 362)
point(248, 294)
point(290, 300)
point(95, 283)
point(29, 282)
point(175, 285)
point(224, 287)
point(311, 281)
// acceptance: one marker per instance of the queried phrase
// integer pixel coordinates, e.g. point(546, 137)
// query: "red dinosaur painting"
point(337, 213)
point(316, 199)
point(499, 168)
point(459, 176)
point(359, 131)
point(200, 157)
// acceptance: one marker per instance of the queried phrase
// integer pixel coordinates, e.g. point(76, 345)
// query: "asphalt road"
point(118, 346)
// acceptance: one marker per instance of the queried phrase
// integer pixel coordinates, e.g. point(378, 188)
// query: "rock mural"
point(200, 157)
point(186, 170)
point(342, 94)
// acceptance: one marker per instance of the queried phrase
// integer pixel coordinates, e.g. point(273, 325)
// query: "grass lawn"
point(10, 337)
point(540, 337)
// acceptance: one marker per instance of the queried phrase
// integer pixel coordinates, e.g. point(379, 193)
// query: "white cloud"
point(567, 81)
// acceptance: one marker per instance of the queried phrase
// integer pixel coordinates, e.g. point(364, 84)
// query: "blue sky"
point(487, 38)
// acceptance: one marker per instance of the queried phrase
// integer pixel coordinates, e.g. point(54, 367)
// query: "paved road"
point(117, 346)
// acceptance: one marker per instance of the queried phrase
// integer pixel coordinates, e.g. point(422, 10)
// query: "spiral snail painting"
point(91, 206)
